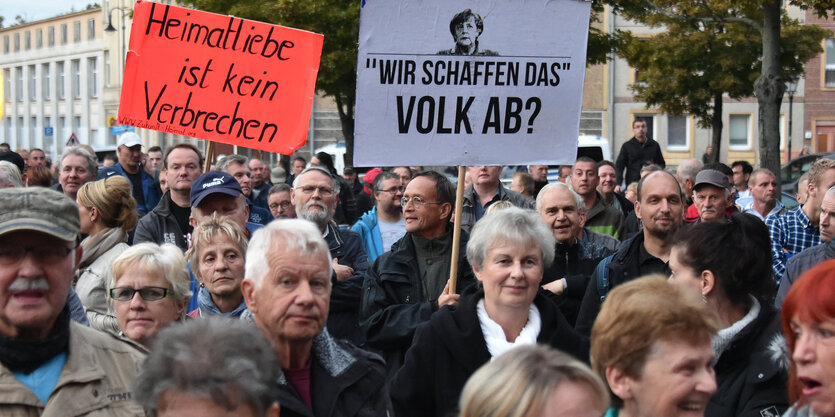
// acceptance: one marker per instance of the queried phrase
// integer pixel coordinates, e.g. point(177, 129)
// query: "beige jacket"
point(96, 381)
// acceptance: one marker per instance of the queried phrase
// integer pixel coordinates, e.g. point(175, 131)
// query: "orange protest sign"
point(221, 78)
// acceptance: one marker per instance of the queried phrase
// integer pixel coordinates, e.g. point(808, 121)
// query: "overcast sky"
point(39, 9)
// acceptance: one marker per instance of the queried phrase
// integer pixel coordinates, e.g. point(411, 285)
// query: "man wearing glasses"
point(315, 194)
point(49, 364)
point(280, 203)
point(407, 284)
point(382, 225)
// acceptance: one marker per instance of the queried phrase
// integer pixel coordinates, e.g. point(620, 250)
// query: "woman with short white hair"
point(508, 250)
point(150, 290)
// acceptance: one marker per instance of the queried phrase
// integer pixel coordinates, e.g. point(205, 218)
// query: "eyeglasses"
point(147, 293)
point(11, 255)
point(283, 204)
point(393, 190)
point(417, 201)
point(310, 189)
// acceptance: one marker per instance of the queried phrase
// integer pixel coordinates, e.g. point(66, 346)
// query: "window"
point(649, 119)
point(59, 130)
point(829, 71)
point(107, 68)
point(33, 125)
point(76, 78)
point(678, 136)
point(45, 77)
point(91, 29)
point(27, 41)
point(51, 36)
point(739, 131)
point(61, 85)
point(92, 77)
point(6, 44)
point(64, 33)
point(19, 128)
point(76, 124)
point(18, 77)
point(7, 88)
point(47, 122)
point(39, 38)
point(76, 31)
point(33, 83)
point(16, 42)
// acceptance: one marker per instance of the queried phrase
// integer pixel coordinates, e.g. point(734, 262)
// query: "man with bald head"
point(661, 210)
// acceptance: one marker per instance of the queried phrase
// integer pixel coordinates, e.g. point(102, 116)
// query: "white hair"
point(296, 235)
point(10, 175)
point(581, 204)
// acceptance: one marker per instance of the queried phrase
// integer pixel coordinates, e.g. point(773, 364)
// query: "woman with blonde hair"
point(216, 257)
point(533, 381)
point(108, 212)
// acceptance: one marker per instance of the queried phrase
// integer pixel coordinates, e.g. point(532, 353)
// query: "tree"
point(696, 61)
point(777, 62)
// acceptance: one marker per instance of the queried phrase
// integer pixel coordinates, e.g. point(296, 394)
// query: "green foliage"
point(707, 52)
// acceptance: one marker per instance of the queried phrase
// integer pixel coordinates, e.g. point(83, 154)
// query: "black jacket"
point(752, 373)
point(623, 266)
point(633, 156)
point(160, 226)
point(345, 382)
point(451, 347)
point(576, 264)
point(343, 318)
point(393, 304)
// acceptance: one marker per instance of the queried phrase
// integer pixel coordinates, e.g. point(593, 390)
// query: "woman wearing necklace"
point(508, 250)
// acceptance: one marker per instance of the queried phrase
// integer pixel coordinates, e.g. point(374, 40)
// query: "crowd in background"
point(149, 284)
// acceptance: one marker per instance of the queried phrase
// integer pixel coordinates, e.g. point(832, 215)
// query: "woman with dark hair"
point(346, 210)
point(809, 325)
point(727, 264)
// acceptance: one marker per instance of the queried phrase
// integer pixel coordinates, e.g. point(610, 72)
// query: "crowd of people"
point(154, 286)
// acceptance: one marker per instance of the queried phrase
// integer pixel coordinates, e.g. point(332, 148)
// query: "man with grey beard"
point(315, 193)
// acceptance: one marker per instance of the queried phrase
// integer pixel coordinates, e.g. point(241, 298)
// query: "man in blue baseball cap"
point(219, 192)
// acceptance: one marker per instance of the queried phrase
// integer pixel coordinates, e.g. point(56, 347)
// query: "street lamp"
point(111, 29)
point(791, 88)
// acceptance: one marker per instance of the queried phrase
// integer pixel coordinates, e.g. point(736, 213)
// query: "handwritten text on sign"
point(463, 82)
point(220, 78)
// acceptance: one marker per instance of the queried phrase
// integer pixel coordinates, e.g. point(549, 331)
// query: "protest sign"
point(466, 82)
point(220, 78)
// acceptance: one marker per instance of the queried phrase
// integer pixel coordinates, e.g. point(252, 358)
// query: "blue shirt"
point(43, 380)
point(790, 233)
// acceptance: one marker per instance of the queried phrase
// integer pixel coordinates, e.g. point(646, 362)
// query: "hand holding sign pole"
point(220, 78)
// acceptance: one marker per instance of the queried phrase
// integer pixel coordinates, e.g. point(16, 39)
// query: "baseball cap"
point(129, 139)
point(278, 175)
point(39, 209)
point(214, 182)
point(712, 177)
point(371, 175)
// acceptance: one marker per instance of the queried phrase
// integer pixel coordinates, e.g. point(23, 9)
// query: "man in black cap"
point(711, 194)
point(219, 192)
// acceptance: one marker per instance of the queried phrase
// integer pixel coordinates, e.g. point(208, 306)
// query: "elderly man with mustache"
point(315, 194)
point(50, 365)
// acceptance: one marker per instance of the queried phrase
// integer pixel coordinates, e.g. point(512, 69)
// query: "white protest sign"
point(465, 82)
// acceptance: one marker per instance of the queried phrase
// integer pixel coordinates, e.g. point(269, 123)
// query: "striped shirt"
point(790, 233)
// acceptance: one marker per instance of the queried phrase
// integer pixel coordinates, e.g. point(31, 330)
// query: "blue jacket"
point(369, 231)
point(150, 188)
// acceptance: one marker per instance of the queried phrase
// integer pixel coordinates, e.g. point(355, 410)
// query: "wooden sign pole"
point(210, 150)
point(456, 230)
